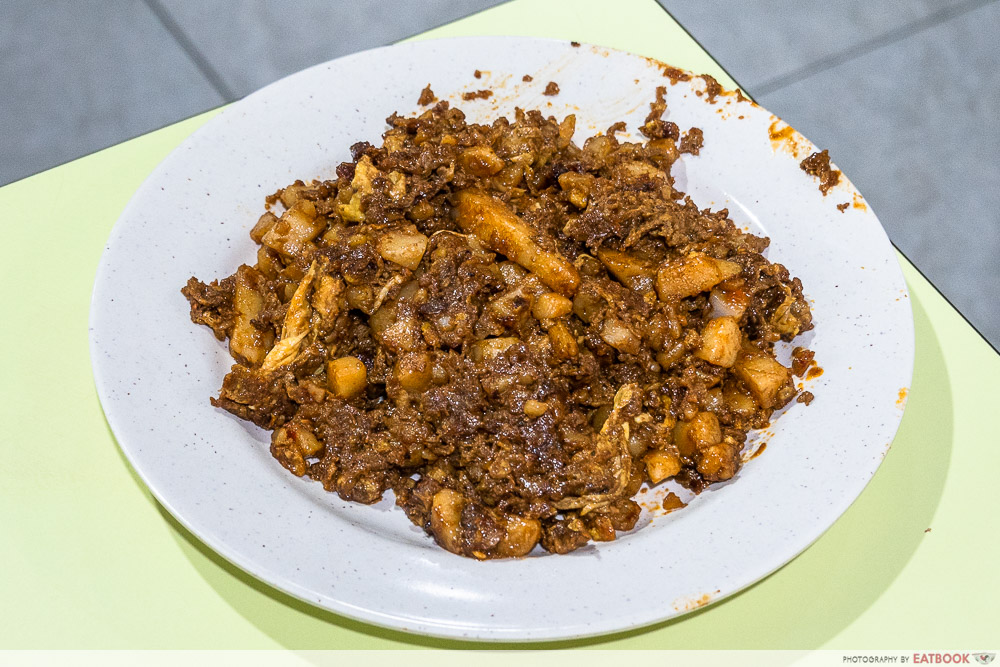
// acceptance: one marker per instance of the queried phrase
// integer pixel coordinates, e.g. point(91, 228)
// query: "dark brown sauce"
point(782, 135)
point(784, 138)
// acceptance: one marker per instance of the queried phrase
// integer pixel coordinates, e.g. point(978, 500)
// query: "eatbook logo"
point(984, 658)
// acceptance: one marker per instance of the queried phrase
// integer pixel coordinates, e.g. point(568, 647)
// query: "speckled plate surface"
point(155, 370)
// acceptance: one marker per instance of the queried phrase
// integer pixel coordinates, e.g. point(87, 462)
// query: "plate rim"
point(280, 582)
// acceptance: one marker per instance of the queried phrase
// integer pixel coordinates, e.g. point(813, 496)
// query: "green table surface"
point(90, 560)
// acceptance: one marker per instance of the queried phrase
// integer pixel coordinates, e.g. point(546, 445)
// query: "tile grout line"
point(866, 47)
point(199, 60)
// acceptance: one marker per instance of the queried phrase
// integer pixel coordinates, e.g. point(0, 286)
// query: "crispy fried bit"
point(477, 95)
point(692, 141)
point(427, 97)
point(672, 503)
point(551, 89)
point(818, 165)
point(510, 331)
point(712, 88)
point(802, 359)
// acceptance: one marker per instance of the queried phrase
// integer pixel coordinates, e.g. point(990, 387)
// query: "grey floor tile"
point(915, 126)
point(758, 41)
point(80, 76)
point(251, 43)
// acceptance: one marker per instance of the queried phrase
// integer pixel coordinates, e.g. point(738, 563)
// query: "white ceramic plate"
point(155, 370)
